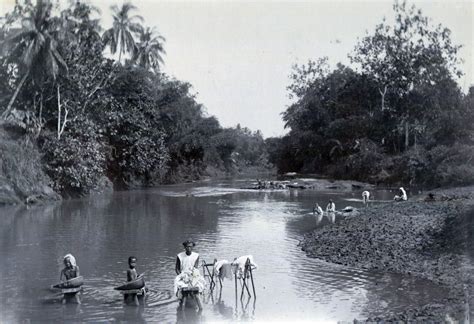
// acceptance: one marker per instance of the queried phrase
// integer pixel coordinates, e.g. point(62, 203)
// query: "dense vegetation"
point(94, 121)
point(397, 116)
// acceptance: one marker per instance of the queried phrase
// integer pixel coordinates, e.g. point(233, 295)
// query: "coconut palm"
point(120, 36)
point(150, 49)
point(33, 48)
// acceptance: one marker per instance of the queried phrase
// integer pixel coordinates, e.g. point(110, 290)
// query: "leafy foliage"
point(386, 120)
point(77, 161)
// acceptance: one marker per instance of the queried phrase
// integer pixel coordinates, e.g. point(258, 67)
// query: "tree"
point(120, 36)
point(404, 57)
point(33, 48)
point(149, 50)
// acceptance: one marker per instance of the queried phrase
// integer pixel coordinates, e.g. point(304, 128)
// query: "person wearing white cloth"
point(187, 270)
point(365, 197)
point(187, 260)
point(331, 207)
point(402, 196)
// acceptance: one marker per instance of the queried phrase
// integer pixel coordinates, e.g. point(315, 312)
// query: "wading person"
point(365, 197)
point(132, 274)
point(331, 207)
point(317, 210)
point(188, 276)
point(70, 271)
point(187, 260)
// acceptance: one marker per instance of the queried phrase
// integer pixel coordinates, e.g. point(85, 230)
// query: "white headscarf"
point(71, 258)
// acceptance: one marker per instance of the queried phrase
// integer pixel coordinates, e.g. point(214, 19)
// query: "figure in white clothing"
point(187, 260)
point(366, 197)
point(402, 195)
point(188, 276)
point(331, 207)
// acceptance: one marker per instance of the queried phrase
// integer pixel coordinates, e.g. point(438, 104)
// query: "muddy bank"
point(412, 237)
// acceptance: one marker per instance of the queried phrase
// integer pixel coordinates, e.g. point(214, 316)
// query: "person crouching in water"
point(402, 195)
point(366, 197)
point(187, 270)
point(317, 210)
point(70, 271)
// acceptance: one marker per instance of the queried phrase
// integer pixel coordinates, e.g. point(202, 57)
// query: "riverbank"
point(417, 237)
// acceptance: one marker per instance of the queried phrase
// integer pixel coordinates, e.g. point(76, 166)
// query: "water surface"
point(226, 222)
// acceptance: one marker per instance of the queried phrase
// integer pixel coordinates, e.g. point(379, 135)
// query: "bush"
point(142, 158)
point(77, 162)
point(361, 165)
point(410, 167)
point(450, 165)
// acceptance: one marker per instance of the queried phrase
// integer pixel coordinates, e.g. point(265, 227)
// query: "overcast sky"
point(238, 54)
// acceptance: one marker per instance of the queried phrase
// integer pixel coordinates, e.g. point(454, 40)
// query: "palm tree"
point(33, 49)
point(120, 36)
point(149, 49)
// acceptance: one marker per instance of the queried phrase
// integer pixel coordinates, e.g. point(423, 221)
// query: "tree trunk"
point(407, 142)
point(12, 100)
point(59, 113)
point(382, 93)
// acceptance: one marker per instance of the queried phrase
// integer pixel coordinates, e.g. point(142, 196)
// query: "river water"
point(103, 231)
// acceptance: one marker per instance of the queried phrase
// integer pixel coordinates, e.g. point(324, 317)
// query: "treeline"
point(97, 121)
point(398, 116)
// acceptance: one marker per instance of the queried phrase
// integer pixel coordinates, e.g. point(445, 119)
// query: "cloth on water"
point(71, 258)
point(238, 265)
point(223, 269)
point(188, 279)
point(187, 261)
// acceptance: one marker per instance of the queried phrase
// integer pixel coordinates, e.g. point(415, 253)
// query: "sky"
point(238, 54)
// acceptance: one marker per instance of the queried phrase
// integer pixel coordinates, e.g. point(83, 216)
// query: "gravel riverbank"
point(421, 238)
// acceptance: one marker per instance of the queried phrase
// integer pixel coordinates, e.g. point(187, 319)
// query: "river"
point(103, 231)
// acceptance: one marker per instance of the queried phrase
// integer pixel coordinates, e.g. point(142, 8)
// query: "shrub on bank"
point(451, 165)
point(77, 161)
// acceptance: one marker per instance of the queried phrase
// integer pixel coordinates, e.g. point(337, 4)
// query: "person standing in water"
point(366, 197)
point(187, 264)
point(331, 207)
point(187, 260)
point(70, 271)
point(132, 274)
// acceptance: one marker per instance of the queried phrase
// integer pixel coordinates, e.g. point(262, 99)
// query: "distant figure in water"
point(366, 197)
point(70, 271)
point(331, 207)
point(402, 195)
point(317, 210)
